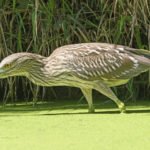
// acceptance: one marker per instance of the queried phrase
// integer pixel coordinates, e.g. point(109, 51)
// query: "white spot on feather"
point(102, 73)
point(94, 74)
point(104, 79)
point(116, 51)
point(94, 51)
point(85, 70)
point(86, 65)
point(133, 60)
point(117, 76)
point(121, 48)
point(86, 46)
point(100, 63)
point(83, 76)
point(123, 73)
point(107, 71)
point(76, 53)
point(70, 56)
point(98, 72)
point(114, 57)
point(118, 65)
point(75, 64)
point(94, 64)
point(121, 57)
point(113, 67)
point(90, 74)
point(106, 49)
point(79, 69)
point(109, 55)
point(99, 48)
point(135, 65)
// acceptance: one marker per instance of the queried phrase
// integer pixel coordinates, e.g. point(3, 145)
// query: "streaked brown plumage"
point(87, 66)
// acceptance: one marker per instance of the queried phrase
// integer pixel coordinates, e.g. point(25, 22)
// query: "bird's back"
point(109, 63)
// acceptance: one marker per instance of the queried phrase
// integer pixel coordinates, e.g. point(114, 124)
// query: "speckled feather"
point(101, 61)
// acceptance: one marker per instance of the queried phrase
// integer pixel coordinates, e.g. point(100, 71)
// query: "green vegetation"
point(62, 126)
point(40, 26)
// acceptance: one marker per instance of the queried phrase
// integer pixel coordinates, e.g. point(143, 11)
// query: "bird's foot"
point(122, 108)
point(91, 109)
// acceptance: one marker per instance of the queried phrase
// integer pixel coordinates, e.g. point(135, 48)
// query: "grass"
point(68, 126)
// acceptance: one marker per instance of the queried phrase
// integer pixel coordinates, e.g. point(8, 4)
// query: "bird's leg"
point(88, 95)
point(104, 89)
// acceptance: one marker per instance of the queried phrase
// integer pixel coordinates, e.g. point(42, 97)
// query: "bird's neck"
point(48, 71)
point(40, 73)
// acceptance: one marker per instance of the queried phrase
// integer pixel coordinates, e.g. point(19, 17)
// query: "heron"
point(87, 66)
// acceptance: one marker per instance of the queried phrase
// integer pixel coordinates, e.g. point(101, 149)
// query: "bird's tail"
point(140, 52)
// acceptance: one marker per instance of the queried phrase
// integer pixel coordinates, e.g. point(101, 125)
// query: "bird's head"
point(20, 64)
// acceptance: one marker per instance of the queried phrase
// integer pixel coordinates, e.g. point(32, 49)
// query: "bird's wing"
point(97, 63)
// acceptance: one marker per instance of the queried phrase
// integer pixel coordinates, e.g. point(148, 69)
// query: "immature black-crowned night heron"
point(87, 66)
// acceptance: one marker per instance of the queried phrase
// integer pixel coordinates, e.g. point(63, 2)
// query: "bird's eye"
point(7, 65)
